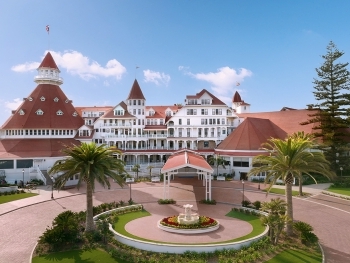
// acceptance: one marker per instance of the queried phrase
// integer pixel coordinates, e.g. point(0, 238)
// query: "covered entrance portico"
point(187, 162)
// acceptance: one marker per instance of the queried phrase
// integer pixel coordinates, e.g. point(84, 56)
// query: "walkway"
point(21, 228)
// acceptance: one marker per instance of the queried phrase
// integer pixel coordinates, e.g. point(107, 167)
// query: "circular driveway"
point(21, 225)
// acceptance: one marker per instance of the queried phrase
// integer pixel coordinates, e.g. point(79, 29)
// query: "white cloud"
point(28, 66)
point(13, 105)
point(156, 77)
point(77, 64)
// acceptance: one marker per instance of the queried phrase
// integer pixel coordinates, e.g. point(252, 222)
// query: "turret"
point(48, 72)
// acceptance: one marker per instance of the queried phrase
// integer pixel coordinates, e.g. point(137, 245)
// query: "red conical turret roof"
point(48, 62)
point(237, 97)
point(136, 92)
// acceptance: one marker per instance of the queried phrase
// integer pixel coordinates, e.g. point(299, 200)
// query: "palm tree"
point(136, 169)
point(92, 163)
point(150, 167)
point(288, 159)
point(217, 160)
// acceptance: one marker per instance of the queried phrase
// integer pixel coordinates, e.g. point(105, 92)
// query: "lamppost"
point(52, 186)
point(243, 192)
point(341, 174)
point(130, 190)
point(259, 182)
point(23, 178)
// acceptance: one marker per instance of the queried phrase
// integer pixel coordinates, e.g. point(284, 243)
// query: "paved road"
point(20, 229)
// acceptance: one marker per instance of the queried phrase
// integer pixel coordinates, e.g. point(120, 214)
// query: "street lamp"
point(259, 182)
point(23, 178)
point(341, 174)
point(130, 191)
point(52, 186)
point(243, 192)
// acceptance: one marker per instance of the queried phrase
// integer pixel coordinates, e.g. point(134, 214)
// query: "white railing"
point(40, 174)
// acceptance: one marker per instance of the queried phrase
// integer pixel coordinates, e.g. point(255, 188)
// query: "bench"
point(155, 179)
point(129, 180)
point(220, 178)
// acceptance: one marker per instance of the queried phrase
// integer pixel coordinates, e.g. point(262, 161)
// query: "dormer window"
point(75, 114)
point(21, 112)
point(59, 112)
point(151, 113)
point(119, 112)
point(67, 100)
point(39, 112)
point(56, 99)
point(42, 98)
point(30, 99)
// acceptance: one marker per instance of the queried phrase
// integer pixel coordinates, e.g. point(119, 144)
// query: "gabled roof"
point(110, 113)
point(81, 109)
point(25, 148)
point(160, 111)
point(136, 92)
point(215, 100)
point(50, 99)
point(48, 62)
point(251, 134)
point(186, 158)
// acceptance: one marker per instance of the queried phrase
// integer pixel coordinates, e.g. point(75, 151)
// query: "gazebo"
point(187, 162)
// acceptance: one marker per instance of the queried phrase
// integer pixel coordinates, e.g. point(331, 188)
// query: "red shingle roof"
point(25, 148)
point(215, 100)
point(43, 98)
point(48, 62)
point(186, 158)
point(237, 97)
point(136, 92)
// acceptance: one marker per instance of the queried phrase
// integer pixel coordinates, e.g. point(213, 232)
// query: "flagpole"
point(136, 70)
point(48, 36)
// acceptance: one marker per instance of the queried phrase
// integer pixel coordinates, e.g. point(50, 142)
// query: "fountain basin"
point(188, 230)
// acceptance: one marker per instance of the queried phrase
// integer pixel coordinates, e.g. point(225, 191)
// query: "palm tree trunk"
point(289, 212)
point(90, 226)
point(300, 186)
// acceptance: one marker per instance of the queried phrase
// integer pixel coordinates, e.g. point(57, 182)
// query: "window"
point(139, 122)
point(134, 102)
point(205, 101)
point(223, 121)
point(56, 99)
point(188, 121)
point(66, 101)
point(161, 122)
point(39, 112)
point(139, 102)
point(217, 111)
point(191, 112)
point(30, 99)
point(6, 164)
point(119, 112)
point(204, 121)
point(204, 111)
point(206, 144)
point(168, 113)
point(218, 121)
point(139, 111)
point(241, 162)
point(21, 112)
point(191, 102)
point(134, 111)
point(75, 114)
point(42, 98)
point(180, 121)
point(26, 163)
point(59, 112)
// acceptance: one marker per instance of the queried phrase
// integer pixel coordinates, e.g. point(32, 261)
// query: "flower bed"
point(204, 222)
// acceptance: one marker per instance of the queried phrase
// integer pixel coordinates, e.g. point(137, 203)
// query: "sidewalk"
point(313, 189)
point(44, 195)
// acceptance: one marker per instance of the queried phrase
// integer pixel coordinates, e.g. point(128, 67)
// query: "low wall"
point(8, 189)
point(178, 249)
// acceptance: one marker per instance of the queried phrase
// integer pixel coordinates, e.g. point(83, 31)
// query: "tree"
point(288, 159)
point(331, 115)
point(150, 167)
point(276, 218)
point(217, 160)
point(136, 169)
point(91, 163)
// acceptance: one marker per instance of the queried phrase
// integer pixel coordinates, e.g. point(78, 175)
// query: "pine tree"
point(331, 115)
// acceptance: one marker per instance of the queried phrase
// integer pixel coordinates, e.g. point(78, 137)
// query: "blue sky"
point(271, 48)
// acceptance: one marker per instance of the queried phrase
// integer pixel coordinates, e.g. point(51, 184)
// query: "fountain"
point(188, 223)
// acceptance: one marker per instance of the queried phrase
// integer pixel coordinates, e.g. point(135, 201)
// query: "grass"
point(253, 220)
point(14, 197)
point(282, 191)
point(291, 255)
point(78, 256)
point(339, 190)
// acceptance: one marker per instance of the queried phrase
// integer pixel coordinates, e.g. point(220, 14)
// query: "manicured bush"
point(166, 201)
point(208, 202)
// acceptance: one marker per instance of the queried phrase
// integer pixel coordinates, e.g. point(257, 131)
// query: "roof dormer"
point(59, 112)
point(56, 99)
point(42, 98)
point(39, 112)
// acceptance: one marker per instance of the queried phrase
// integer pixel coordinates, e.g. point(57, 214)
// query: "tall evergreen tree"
point(331, 115)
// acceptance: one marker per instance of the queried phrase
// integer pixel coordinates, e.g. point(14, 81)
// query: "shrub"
point(256, 205)
point(246, 203)
point(304, 231)
point(166, 201)
point(208, 202)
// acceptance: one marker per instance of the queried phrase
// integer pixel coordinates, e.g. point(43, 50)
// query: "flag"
point(237, 84)
point(48, 29)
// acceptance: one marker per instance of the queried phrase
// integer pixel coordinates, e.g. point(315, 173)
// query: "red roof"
point(48, 62)
point(186, 158)
point(25, 148)
point(215, 100)
point(257, 128)
point(43, 98)
point(136, 92)
point(237, 97)
point(110, 113)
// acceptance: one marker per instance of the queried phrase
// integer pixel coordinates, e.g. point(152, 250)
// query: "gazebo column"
point(166, 193)
point(207, 177)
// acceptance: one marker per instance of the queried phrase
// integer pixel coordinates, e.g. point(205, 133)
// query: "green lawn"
point(10, 198)
point(291, 256)
point(78, 256)
point(281, 191)
point(339, 190)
